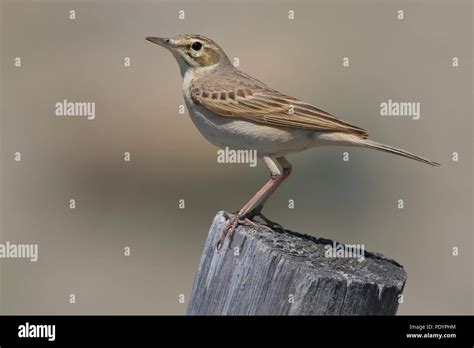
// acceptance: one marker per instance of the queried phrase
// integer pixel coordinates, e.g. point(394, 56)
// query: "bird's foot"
point(229, 229)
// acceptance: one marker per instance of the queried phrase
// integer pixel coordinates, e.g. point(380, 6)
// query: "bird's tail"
point(355, 140)
point(382, 147)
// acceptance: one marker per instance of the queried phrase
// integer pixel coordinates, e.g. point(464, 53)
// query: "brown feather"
point(252, 100)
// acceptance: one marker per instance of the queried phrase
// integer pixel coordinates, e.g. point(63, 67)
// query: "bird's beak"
point(166, 43)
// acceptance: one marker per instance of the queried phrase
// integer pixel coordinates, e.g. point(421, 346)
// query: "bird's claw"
point(246, 219)
point(229, 229)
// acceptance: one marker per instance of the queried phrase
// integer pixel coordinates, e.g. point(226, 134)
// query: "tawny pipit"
point(232, 109)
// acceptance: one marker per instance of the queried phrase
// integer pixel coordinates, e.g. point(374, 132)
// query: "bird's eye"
point(196, 46)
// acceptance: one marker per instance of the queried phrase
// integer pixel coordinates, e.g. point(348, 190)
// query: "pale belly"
point(239, 134)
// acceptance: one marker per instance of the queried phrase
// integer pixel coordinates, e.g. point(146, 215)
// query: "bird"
point(235, 110)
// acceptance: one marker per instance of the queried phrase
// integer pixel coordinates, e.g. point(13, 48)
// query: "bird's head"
point(193, 51)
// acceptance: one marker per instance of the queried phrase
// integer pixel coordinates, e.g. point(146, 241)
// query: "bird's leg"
point(287, 169)
point(232, 224)
point(257, 211)
point(260, 198)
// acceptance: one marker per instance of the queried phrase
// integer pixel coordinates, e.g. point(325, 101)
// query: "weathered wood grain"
point(288, 273)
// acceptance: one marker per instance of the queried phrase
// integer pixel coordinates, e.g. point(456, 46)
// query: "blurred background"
point(135, 204)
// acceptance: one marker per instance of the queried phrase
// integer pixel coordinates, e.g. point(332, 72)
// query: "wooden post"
point(288, 273)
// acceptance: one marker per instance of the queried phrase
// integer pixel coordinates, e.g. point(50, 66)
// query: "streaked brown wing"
point(238, 95)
